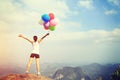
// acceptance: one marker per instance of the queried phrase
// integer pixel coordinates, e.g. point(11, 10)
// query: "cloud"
point(115, 2)
point(110, 12)
point(59, 8)
point(96, 42)
point(109, 37)
point(22, 16)
point(86, 4)
point(76, 44)
point(90, 37)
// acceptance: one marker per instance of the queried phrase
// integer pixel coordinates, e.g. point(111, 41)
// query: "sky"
point(88, 31)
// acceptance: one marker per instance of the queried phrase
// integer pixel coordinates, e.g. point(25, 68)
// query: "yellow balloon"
point(41, 22)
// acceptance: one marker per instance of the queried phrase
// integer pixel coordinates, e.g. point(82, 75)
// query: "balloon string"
point(48, 31)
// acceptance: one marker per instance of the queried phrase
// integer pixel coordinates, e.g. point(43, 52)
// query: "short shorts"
point(34, 55)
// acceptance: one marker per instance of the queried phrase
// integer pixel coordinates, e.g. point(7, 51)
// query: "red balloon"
point(51, 16)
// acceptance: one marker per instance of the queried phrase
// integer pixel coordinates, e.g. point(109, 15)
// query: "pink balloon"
point(46, 25)
point(53, 22)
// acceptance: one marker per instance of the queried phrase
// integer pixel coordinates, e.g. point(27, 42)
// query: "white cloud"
point(26, 14)
point(86, 3)
point(100, 36)
point(110, 12)
point(76, 44)
point(115, 2)
point(59, 8)
point(89, 37)
point(82, 44)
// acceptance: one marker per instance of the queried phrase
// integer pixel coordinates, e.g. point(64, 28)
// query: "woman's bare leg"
point(29, 65)
point(38, 66)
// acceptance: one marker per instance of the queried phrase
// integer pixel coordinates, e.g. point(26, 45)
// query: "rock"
point(70, 73)
point(24, 77)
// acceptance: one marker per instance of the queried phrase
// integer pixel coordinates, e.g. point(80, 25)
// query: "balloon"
point(48, 21)
point(41, 22)
point(45, 17)
point(46, 25)
point(53, 22)
point(51, 16)
point(52, 28)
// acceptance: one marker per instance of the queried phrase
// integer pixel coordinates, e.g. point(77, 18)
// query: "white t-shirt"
point(35, 47)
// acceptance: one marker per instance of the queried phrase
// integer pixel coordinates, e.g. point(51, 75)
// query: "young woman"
point(35, 52)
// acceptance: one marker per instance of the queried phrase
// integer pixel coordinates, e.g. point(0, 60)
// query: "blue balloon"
point(45, 17)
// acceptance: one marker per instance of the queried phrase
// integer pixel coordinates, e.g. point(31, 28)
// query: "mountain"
point(24, 77)
point(48, 69)
point(70, 73)
point(116, 74)
point(95, 70)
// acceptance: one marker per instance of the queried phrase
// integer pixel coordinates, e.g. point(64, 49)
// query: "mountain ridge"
point(70, 73)
point(92, 71)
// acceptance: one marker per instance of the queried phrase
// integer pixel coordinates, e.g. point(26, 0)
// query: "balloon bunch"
point(48, 21)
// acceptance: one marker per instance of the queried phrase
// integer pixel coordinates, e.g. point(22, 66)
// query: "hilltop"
point(24, 77)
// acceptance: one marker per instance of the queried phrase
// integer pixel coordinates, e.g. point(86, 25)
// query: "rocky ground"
point(24, 77)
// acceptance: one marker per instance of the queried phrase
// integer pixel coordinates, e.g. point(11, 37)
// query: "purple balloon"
point(46, 25)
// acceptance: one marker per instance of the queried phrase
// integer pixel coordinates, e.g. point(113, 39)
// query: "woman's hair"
point(35, 38)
